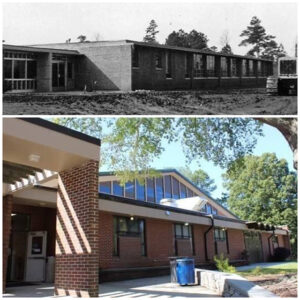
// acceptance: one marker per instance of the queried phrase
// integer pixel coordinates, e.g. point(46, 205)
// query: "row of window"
point(153, 190)
point(133, 227)
point(205, 65)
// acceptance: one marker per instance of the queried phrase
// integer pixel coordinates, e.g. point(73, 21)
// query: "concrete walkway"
point(262, 265)
point(145, 288)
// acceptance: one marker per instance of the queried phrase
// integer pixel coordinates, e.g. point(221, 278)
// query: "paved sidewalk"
point(145, 288)
point(262, 265)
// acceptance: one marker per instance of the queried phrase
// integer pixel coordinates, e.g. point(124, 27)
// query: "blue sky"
point(272, 141)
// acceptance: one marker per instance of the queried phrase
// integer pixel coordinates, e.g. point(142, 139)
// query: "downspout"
point(269, 238)
point(205, 236)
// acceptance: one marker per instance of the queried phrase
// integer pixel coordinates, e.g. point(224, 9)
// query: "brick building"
point(126, 65)
point(58, 211)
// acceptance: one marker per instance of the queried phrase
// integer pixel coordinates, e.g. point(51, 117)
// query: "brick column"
point(7, 209)
point(77, 232)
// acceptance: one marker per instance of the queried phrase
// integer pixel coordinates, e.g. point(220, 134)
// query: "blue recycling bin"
point(185, 271)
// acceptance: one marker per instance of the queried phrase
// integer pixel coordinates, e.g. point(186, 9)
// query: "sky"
point(173, 156)
point(36, 23)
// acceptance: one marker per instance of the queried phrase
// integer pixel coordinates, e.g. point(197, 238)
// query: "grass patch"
point(288, 268)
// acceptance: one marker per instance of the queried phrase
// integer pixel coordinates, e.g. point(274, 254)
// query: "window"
point(188, 65)
point(159, 189)
point(233, 67)
point(70, 70)
point(259, 68)
point(220, 234)
point(175, 184)
point(250, 68)
point(183, 231)
point(132, 227)
point(31, 69)
point(208, 209)
point(244, 67)
point(168, 64)
point(130, 189)
point(105, 187)
point(214, 211)
point(224, 67)
point(189, 193)
point(7, 66)
point(210, 66)
point(198, 67)
point(135, 58)
point(182, 190)
point(140, 191)
point(158, 60)
point(168, 191)
point(19, 69)
point(117, 189)
point(275, 241)
point(150, 190)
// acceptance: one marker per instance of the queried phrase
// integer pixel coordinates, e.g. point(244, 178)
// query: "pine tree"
point(151, 33)
point(226, 49)
point(255, 35)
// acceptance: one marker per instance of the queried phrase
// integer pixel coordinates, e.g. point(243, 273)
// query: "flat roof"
point(201, 51)
point(124, 42)
point(39, 50)
point(62, 129)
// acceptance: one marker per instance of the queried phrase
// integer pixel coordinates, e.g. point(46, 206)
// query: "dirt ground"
point(227, 102)
point(281, 285)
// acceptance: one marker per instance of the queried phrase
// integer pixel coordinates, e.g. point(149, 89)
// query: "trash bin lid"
point(185, 260)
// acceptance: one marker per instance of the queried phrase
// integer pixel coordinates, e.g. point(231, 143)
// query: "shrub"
point(256, 271)
point(223, 265)
point(281, 254)
point(245, 255)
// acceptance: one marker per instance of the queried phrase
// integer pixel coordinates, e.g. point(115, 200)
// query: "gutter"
point(205, 235)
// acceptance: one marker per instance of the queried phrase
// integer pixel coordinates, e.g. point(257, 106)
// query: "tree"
point(223, 200)
point(226, 49)
point(81, 38)
point(220, 140)
point(224, 42)
point(200, 178)
point(262, 188)
point(151, 33)
point(273, 51)
point(194, 39)
point(255, 35)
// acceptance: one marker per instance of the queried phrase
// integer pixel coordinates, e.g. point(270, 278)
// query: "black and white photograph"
point(139, 58)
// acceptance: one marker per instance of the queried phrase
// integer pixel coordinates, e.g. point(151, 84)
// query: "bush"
point(256, 271)
point(281, 254)
point(223, 265)
point(245, 255)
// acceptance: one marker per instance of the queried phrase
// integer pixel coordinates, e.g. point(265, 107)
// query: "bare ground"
point(281, 285)
point(221, 102)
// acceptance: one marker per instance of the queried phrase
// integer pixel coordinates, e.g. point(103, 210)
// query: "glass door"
point(58, 75)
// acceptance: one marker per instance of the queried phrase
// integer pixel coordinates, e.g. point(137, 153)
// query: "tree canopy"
point(264, 45)
point(194, 39)
point(262, 188)
point(200, 178)
point(151, 33)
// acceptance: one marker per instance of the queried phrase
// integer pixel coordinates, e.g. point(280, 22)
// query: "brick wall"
point(77, 229)
point(236, 243)
point(7, 210)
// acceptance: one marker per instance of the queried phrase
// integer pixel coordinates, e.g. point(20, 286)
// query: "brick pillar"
point(77, 228)
point(7, 209)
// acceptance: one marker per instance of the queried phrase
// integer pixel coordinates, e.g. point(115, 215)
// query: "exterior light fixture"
point(13, 215)
point(131, 218)
point(223, 229)
point(186, 224)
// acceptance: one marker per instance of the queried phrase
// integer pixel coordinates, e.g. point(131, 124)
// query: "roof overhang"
point(44, 145)
point(34, 49)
